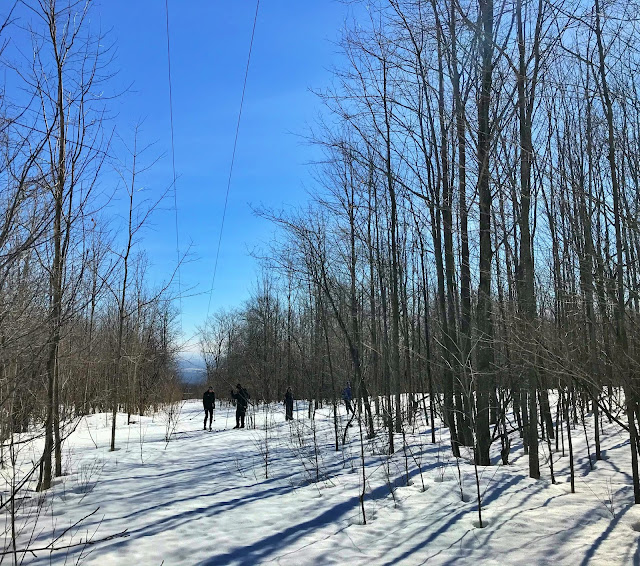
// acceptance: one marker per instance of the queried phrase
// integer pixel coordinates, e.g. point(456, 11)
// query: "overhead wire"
point(233, 157)
point(173, 161)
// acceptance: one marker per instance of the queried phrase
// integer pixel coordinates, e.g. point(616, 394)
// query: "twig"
point(50, 548)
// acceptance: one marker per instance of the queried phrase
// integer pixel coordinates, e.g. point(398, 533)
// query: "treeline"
point(81, 327)
point(475, 231)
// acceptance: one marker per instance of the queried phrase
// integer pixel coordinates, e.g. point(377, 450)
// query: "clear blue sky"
point(293, 52)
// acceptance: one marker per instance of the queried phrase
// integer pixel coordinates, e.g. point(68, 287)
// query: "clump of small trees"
point(82, 329)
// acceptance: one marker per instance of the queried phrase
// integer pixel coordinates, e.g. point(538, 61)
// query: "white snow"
point(205, 498)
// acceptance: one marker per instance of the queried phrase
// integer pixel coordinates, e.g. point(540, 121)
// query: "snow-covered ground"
point(207, 498)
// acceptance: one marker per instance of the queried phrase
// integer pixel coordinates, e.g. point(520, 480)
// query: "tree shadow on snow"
point(259, 551)
point(605, 534)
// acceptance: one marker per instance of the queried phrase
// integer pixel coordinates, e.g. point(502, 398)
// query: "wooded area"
point(82, 329)
point(474, 237)
point(470, 252)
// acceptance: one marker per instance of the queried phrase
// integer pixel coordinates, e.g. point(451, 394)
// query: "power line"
point(173, 160)
point(233, 156)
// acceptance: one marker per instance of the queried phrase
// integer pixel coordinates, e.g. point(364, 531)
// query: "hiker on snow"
point(288, 404)
point(346, 397)
point(209, 402)
point(241, 396)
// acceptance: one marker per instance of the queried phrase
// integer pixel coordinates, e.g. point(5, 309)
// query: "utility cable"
point(233, 156)
point(173, 161)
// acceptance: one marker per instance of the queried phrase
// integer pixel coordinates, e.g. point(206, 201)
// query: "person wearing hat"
point(241, 396)
point(209, 402)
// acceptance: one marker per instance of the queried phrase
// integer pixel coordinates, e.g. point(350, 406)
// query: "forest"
point(469, 253)
point(473, 241)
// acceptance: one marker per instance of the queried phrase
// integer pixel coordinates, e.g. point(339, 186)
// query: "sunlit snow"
point(208, 498)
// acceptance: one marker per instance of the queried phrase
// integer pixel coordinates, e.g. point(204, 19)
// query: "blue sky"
point(293, 52)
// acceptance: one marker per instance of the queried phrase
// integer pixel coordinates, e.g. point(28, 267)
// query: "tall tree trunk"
point(630, 389)
point(55, 316)
point(484, 381)
point(465, 265)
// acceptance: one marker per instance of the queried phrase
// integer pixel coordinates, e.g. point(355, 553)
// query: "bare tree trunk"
point(484, 320)
point(630, 390)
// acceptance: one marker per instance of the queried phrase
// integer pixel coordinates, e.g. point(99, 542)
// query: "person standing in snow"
point(288, 404)
point(241, 397)
point(209, 402)
point(346, 397)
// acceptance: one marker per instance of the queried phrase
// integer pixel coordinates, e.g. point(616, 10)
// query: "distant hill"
point(192, 368)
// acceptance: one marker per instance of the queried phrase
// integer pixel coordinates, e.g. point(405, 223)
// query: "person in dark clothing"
point(209, 402)
point(288, 404)
point(241, 396)
point(346, 397)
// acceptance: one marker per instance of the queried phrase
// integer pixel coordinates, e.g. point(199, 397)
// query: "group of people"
point(241, 397)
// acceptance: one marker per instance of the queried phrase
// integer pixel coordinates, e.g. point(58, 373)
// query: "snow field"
point(207, 498)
